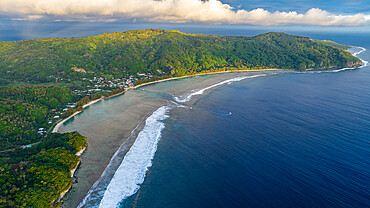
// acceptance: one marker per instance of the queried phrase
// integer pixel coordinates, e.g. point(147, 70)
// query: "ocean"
point(286, 140)
point(277, 139)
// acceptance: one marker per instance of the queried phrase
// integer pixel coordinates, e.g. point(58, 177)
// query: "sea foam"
point(199, 92)
point(131, 172)
point(362, 50)
point(343, 69)
point(94, 195)
point(363, 61)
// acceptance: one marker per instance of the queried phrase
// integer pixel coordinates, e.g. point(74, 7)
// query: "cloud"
point(184, 11)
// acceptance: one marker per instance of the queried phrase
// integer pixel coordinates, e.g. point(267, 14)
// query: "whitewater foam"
point(229, 81)
point(97, 190)
point(356, 53)
point(343, 69)
point(131, 172)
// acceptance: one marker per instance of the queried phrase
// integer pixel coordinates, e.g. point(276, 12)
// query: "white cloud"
point(211, 12)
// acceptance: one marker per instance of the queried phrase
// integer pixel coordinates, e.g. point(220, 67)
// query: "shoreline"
point(60, 123)
point(57, 126)
point(74, 197)
point(207, 73)
point(139, 127)
point(72, 172)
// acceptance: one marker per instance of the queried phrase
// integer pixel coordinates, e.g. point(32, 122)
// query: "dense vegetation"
point(334, 44)
point(36, 176)
point(159, 52)
point(25, 109)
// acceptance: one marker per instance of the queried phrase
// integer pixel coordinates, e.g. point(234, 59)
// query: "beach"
point(56, 127)
point(108, 123)
point(111, 125)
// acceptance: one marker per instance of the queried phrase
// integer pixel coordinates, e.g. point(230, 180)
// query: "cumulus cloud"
point(210, 12)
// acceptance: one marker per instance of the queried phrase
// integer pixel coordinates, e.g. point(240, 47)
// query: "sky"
point(327, 13)
point(28, 19)
point(334, 6)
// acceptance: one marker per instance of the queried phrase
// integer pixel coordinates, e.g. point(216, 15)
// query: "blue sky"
point(335, 6)
point(26, 19)
point(213, 12)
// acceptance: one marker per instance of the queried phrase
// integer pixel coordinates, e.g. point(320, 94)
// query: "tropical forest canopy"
point(160, 52)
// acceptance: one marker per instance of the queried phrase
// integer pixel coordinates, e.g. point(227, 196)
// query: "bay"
point(288, 140)
point(281, 140)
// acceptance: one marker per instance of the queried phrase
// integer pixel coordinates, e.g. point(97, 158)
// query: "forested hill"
point(160, 52)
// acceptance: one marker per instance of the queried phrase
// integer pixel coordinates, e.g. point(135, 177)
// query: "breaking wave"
point(199, 92)
point(362, 50)
point(363, 61)
point(131, 172)
point(343, 69)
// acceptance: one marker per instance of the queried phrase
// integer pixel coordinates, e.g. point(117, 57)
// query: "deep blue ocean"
point(286, 140)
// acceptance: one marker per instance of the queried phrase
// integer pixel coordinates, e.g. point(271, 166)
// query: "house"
point(78, 69)
point(56, 116)
point(26, 146)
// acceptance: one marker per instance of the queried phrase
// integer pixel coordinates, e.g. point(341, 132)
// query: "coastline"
point(104, 143)
point(72, 172)
point(139, 126)
point(207, 73)
point(56, 128)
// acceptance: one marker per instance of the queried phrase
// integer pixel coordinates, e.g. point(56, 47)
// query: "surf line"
point(199, 92)
point(364, 63)
point(98, 188)
point(356, 53)
point(131, 173)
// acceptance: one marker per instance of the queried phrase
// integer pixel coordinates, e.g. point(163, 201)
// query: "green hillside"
point(36, 176)
point(334, 44)
point(159, 52)
point(25, 109)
